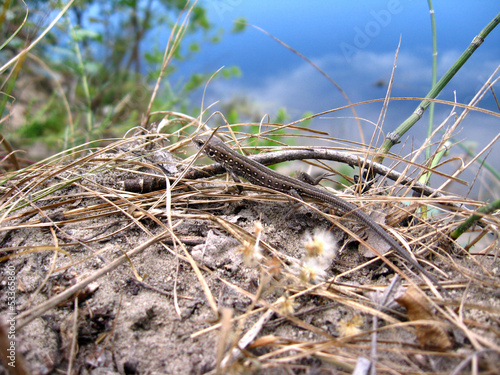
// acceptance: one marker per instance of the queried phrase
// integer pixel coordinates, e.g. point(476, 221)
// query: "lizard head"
point(207, 143)
point(200, 140)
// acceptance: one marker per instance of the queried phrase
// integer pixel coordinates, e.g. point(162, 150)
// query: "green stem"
point(434, 76)
point(481, 162)
point(484, 210)
point(86, 90)
point(394, 137)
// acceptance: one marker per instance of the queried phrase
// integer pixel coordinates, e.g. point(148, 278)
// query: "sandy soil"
point(179, 305)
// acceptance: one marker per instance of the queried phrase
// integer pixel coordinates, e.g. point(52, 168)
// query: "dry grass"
point(56, 216)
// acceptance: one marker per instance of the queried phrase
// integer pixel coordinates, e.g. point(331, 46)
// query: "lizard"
point(259, 174)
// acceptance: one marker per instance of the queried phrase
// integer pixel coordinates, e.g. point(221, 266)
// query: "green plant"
point(90, 76)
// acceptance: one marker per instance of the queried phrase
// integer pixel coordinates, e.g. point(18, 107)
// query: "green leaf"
point(199, 16)
point(194, 82)
point(307, 122)
point(240, 25)
point(282, 116)
point(231, 71)
point(233, 116)
point(194, 47)
point(85, 34)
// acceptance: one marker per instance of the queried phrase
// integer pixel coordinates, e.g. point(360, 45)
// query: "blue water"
point(355, 43)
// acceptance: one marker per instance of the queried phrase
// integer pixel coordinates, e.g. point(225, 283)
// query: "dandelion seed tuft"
point(321, 245)
point(350, 326)
point(252, 254)
point(286, 305)
point(312, 271)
